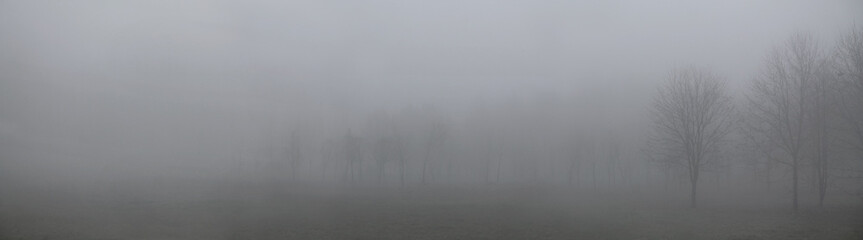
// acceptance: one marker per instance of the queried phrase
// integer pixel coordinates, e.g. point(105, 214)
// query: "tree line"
point(802, 112)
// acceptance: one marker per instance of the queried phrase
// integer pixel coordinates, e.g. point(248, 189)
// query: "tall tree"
point(780, 102)
point(848, 63)
point(691, 117)
point(823, 133)
point(849, 68)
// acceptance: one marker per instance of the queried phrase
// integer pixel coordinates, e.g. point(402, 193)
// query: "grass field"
point(417, 213)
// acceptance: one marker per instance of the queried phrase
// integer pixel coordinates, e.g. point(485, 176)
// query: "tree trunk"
point(822, 182)
point(767, 177)
point(794, 182)
point(692, 193)
point(821, 193)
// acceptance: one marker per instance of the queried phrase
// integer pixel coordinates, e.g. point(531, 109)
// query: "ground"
point(414, 213)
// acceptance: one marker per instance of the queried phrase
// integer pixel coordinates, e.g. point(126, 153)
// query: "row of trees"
point(518, 140)
point(413, 135)
point(804, 109)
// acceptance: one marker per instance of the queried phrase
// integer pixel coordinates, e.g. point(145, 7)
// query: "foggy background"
point(470, 93)
point(165, 87)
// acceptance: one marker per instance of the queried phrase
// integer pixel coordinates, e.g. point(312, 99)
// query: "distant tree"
point(482, 125)
point(381, 147)
point(400, 154)
point(329, 154)
point(353, 155)
point(752, 151)
point(383, 154)
point(398, 149)
point(294, 153)
point(391, 127)
point(435, 136)
point(389, 146)
point(780, 103)
point(612, 160)
point(691, 117)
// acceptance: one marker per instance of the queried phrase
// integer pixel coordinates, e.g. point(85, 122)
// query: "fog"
point(389, 106)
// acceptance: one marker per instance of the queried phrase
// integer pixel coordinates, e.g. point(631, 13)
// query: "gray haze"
point(177, 78)
point(93, 93)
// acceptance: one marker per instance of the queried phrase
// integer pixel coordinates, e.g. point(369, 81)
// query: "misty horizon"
point(554, 105)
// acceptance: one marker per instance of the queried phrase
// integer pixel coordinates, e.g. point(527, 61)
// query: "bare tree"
point(389, 146)
point(691, 118)
point(780, 101)
point(823, 134)
point(849, 68)
point(353, 155)
point(382, 147)
point(400, 155)
point(328, 155)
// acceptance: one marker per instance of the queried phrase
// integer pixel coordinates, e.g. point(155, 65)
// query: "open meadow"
point(254, 212)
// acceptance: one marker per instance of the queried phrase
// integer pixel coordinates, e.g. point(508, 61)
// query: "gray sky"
point(148, 71)
point(444, 52)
